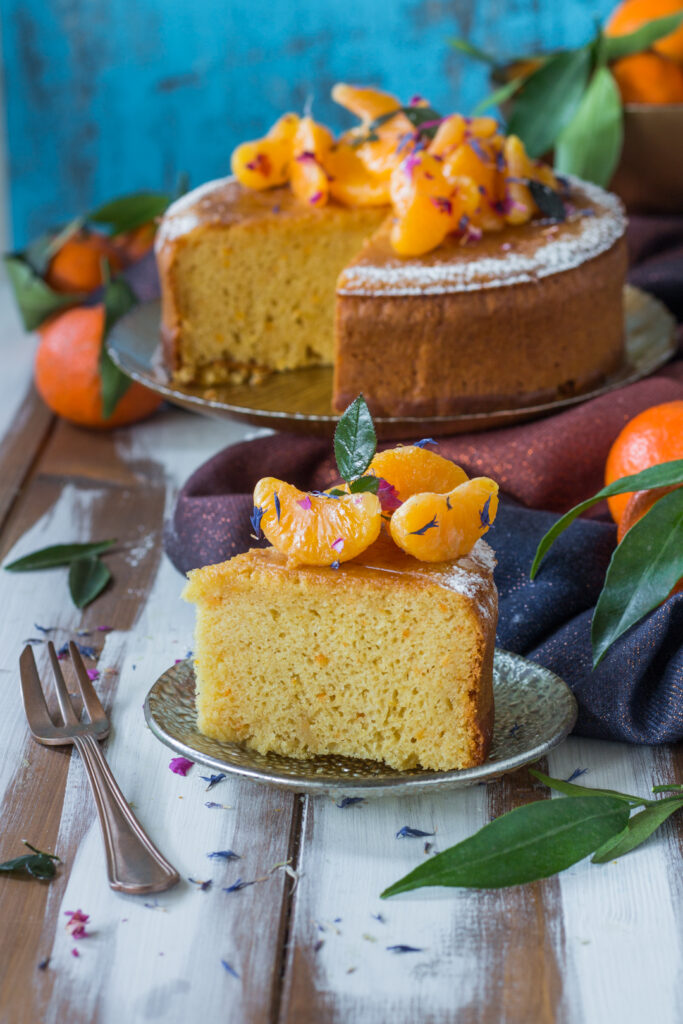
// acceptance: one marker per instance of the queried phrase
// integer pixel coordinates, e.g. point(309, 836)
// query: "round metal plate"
point(300, 400)
point(535, 710)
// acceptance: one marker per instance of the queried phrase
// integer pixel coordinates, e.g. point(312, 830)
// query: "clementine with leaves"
point(78, 265)
point(649, 78)
point(67, 372)
point(650, 438)
point(632, 14)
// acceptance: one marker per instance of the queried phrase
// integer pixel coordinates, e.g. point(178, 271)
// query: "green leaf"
point(473, 51)
point(118, 300)
point(667, 789)
point(355, 441)
point(365, 483)
point(531, 842)
point(549, 202)
point(58, 554)
point(663, 475)
point(499, 96)
point(37, 864)
point(131, 211)
point(549, 99)
point(35, 299)
point(644, 568)
point(88, 577)
point(571, 789)
point(643, 38)
point(639, 828)
point(590, 145)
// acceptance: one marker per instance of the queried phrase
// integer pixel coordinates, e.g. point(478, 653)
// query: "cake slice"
point(385, 658)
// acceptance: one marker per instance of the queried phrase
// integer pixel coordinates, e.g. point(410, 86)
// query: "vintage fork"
point(134, 865)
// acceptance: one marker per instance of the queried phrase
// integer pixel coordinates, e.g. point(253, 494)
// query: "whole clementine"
point(77, 265)
point(649, 78)
point(133, 245)
point(67, 377)
point(650, 438)
point(631, 14)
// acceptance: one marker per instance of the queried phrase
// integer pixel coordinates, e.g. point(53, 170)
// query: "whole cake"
point(431, 262)
point(367, 629)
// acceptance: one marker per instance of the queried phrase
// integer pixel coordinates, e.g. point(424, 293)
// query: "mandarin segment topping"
point(411, 469)
point(442, 175)
point(441, 527)
point(315, 528)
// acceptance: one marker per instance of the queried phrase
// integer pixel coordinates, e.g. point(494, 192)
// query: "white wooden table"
point(594, 945)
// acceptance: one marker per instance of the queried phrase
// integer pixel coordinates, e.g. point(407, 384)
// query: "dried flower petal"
point(349, 801)
point(75, 926)
point(213, 780)
point(412, 833)
point(224, 855)
point(388, 496)
point(404, 949)
point(431, 525)
point(230, 969)
point(305, 503)
point(180, 765)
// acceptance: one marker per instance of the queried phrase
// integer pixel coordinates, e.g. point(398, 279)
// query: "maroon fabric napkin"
point(551, 464)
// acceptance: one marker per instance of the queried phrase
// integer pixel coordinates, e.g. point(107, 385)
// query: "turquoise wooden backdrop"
point(108, 96)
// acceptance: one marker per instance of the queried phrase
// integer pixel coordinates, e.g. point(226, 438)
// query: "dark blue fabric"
point(636, 693)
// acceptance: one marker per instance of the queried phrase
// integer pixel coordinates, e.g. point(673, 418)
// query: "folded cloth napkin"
point(544, 467)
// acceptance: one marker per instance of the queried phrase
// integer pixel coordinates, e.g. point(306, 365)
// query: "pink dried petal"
point(74, 952)
point(93, 674)
point(338, 544)
point(305, 503)
point(388, 496)
point(180, 765)
point(75, 926)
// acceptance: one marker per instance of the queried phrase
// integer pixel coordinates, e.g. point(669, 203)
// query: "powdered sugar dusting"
point(595, 235)
point(183, 216)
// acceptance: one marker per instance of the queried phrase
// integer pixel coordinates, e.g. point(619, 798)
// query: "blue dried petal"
point(319, 945)
point(577, 773)
point(335, 564)
point(212, 803)
point(500, 161)
point(412, 833)
point(213, 780)
point(224, 855)
point(84, 649)
point(236, 886)
point(34, 640)
point(432, 524)
point(380, 918)
point(476, 145)
point(44, 629)
point(204, 886)
point(277, 505)
point(404, 949)
point(348, 801)
point(448, 503)
point(514, 729)
point(424, 441)
point(255, 520)
point(484, 513)
point(230, 969)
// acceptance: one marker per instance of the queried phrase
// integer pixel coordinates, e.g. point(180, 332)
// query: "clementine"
point(649, 78)
point(631, 14)
point(77, 265)
point(133, 245)
point(650, 438)
point(67, 376)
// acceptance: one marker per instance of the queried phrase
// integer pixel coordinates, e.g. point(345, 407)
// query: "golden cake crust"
point(421, 694)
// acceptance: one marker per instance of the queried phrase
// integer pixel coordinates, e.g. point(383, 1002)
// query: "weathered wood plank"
point(140, 961)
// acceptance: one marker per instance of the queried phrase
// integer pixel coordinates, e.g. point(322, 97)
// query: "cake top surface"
point(517, 254)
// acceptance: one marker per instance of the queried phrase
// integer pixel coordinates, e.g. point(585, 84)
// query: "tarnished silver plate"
point(300, 401)
point(535, 710)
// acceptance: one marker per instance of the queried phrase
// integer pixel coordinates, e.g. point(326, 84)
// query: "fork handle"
point(134, 865)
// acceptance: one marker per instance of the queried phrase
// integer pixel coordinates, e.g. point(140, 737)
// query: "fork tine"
point(63, 698)
point(96, 712)
point(32, 693)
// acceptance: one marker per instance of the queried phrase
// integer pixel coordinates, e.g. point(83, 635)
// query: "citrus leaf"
point(355, 441)
point(35, 299)
point(365, 483)
point(528, 843)
point(643, 38)
point(499, 96)
point(37, 864)
point(549, 99)
point(668, 789)
point(590, 144)
point(88, 577)
point(472, 51)
point(663, 475)
point(548, 200)
point(118, 300)
point(644, 568)
point(639, 828)
point(131, 211)
point(571, 789)
point(58, 554)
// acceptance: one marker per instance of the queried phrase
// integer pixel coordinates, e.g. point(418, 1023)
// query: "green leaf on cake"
point(549, 99)
point(643, 38)
point(355, 441)
point(590, 144)
point(639, 828)
point(644, 568)
point(58, 554)
point(365, 483)
point(88, 577)
point(118, 300)
point(526, 844)
point(666, 474)
point(130, 212)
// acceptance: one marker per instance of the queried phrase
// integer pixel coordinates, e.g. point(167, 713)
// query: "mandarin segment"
point(351, 181)
point(366, 103)
point(265, 162)
point(411, 469)
point(315, 529)
point(308, 177)
point(442, 527)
